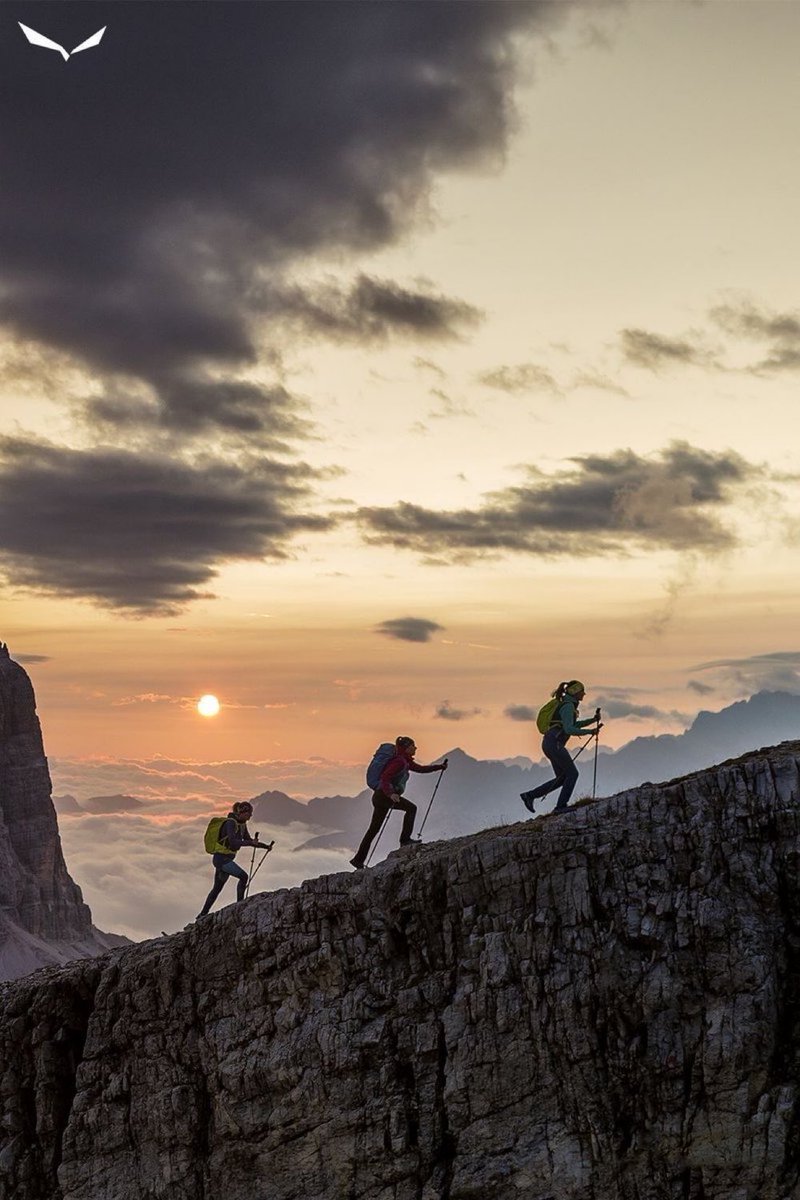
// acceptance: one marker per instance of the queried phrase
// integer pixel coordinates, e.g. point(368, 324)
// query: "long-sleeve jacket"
point(234, 836)
point(396, 773)
point(566, 718)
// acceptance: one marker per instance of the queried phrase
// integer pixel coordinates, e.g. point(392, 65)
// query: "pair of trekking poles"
point(253, 873)
point(422, 826)
point(594, 734)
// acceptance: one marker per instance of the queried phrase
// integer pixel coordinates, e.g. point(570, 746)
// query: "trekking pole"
point(378, 838)
point(252, 862)
point(260, 861)
point(583, 747)
point(430, 804)
point(596, 740)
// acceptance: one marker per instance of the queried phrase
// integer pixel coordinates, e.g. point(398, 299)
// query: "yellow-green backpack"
point(212, 842)
point(547, 712)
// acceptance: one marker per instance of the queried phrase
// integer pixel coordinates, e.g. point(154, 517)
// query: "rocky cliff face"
point(602, 1005)
point(42, 915)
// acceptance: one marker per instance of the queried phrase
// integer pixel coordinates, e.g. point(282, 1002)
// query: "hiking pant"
point(555, 748)
point(381, 805)
point(221, 876)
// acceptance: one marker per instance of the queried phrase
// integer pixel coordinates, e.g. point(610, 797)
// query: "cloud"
point(145, 534)
point(174, 785)
point(601, 504)
point(33, 658)
point(161, 238)
point(447, 407)
point(702, 689)
point(520, 712)
point(372, 310)
point(780, 332)
point(741, 318)
point(617, 704)
point(593, 379)
point(653, 351)
point(777, 671)
point(446, 712)
point(114, 857)
point(194, 406)
point(142, 231)
point(525, 377)
point(409, 629)
point(425, 364)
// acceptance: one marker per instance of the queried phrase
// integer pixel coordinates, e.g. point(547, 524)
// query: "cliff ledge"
point(603, 1005)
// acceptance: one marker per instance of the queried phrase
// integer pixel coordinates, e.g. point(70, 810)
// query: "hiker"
point(231, 837)
point(388, 791)
point(562, 724)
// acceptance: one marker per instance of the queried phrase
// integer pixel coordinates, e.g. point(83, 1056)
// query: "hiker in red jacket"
point(389, 795)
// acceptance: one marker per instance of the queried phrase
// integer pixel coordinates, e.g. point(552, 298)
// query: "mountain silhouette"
point(476, 794)
point(764, 720)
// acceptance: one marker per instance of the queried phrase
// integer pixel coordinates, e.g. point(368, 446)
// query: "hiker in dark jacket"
point(564, 724)
point(233, 834)
point(389, 795)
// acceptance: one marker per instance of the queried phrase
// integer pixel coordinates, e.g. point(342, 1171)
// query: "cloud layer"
point(142, 229)
point(152, 235)
point(140, 532)
point(602, 504)
point(778, 671)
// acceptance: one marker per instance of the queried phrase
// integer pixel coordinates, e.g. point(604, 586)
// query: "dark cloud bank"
point(602, 504)
point(141, 532)
point(157, 192)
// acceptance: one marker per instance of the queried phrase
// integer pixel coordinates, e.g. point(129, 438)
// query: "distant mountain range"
point(475, 794)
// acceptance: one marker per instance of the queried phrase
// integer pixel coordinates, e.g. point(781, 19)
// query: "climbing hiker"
point(558, 720)
point(224, 838)
point(387, 775)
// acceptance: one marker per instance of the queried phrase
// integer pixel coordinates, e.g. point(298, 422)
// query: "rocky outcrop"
point(600, 1005)
point(42, 915)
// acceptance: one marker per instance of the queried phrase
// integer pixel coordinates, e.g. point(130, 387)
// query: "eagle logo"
point(38, 39)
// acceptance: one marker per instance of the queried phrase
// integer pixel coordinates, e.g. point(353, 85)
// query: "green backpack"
point(547, 712)
point(212, 842)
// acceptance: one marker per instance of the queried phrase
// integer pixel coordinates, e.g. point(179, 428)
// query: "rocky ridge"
point(43, 918)
point(600, 1005)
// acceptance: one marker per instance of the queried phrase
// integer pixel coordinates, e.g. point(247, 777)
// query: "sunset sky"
point(375, 366)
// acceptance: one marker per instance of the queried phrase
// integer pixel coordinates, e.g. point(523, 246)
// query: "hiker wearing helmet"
point(562, 724)
point(231, 837)
point(389, 794)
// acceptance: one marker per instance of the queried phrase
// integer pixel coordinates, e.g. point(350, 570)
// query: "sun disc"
point(208, 706)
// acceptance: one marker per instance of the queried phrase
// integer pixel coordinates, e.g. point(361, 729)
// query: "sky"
point(375, 366)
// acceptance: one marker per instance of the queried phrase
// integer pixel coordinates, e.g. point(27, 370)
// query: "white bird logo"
point(38, 39)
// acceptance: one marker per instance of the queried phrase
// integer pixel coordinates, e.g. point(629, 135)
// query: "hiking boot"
point(527, 799)
point(357, 863)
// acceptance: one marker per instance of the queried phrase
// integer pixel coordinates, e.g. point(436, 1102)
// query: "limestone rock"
point(600, 1005)
point(43, 918)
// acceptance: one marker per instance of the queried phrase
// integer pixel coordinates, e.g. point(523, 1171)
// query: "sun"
point(208, 706)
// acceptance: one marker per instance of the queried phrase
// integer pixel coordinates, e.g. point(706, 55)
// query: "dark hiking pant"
point(221, 876)
point(555, 749)
point(381, 805)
